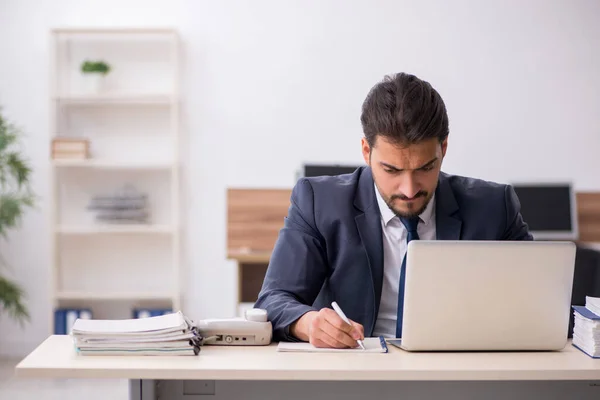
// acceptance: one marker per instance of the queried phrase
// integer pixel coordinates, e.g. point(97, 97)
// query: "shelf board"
point(117, 99)
point(111, 31)
point(111, 164)
point(146, 296)
point(114, 228)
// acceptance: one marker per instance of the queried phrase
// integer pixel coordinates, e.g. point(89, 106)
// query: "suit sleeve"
point(297, 268)
point(516, 228)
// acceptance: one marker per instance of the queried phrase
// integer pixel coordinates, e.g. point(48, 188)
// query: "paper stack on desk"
point(586, 330)
point(170, 334)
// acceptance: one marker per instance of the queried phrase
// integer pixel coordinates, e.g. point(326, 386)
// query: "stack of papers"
point(170, 334)
point(586, 330)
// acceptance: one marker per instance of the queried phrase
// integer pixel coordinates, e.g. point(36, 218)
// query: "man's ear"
point(366, 151)
point(444, 147)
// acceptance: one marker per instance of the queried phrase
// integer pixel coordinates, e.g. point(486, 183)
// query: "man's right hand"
point(325, 328)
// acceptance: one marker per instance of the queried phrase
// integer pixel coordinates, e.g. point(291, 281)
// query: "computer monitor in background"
point(550, 210)
point(330, 170)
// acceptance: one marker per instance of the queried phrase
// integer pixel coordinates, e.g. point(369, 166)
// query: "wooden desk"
point(237, 367)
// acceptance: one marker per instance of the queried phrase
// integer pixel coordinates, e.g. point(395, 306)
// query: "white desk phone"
point(252, 330)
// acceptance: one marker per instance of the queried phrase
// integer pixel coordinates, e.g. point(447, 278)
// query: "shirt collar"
point(387, 215)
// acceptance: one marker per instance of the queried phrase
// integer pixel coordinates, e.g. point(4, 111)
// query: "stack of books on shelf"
point(69, 148)
point(170, 334)
point(586, 330)
point(126, 206)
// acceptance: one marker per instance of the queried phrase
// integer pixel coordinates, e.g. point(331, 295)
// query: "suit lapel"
point(447, 221)
point(368, 224)
point(369, 228)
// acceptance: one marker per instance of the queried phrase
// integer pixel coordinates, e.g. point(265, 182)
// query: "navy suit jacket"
point(330, 247)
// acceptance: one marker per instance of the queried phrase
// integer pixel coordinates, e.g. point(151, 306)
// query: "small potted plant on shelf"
point(95, 73)
point(15, 197)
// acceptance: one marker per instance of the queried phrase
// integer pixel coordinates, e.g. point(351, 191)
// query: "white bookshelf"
point(114, 229)
point(132, 125)
point(114, 164)
point(135, 296)
point(102, 99)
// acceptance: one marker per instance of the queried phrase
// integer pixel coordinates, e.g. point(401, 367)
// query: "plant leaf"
point(2, 171)
point(28, 200)
point(11, 300)
point(8, 134)
point(18, 168)
point(15, 195)
point(11, 211)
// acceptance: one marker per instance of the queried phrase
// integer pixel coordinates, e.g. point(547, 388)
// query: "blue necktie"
point(411, 226)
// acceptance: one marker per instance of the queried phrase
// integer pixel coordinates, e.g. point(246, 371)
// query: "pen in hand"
point(339, 312)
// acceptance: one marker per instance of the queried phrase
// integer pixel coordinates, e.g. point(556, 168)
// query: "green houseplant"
point(94, 73)
point(15, 197)
point(99, 67)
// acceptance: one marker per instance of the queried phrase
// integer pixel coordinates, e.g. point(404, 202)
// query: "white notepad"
point(372, 345)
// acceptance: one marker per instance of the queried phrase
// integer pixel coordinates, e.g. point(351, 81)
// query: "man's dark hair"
point(405, 110)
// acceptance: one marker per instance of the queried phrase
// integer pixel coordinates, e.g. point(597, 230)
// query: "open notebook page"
point(372, 345)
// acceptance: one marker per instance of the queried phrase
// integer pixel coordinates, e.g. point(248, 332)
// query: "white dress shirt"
point(394, 247)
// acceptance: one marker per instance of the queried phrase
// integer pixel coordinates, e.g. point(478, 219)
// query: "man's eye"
point(428, 168)
point(390, 171)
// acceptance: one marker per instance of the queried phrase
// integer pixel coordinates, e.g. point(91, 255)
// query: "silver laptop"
point(487, 295)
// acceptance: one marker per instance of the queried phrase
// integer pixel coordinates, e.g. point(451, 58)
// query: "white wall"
point(268, 85)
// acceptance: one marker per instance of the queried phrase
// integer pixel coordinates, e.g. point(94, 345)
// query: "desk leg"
point(142, 389)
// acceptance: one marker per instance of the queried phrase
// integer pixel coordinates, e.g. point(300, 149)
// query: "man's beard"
point(409, 214)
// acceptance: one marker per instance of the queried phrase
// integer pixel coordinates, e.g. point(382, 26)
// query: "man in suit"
point(345, 237)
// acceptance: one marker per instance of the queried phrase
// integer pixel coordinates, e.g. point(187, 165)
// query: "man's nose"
point(409, 187)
